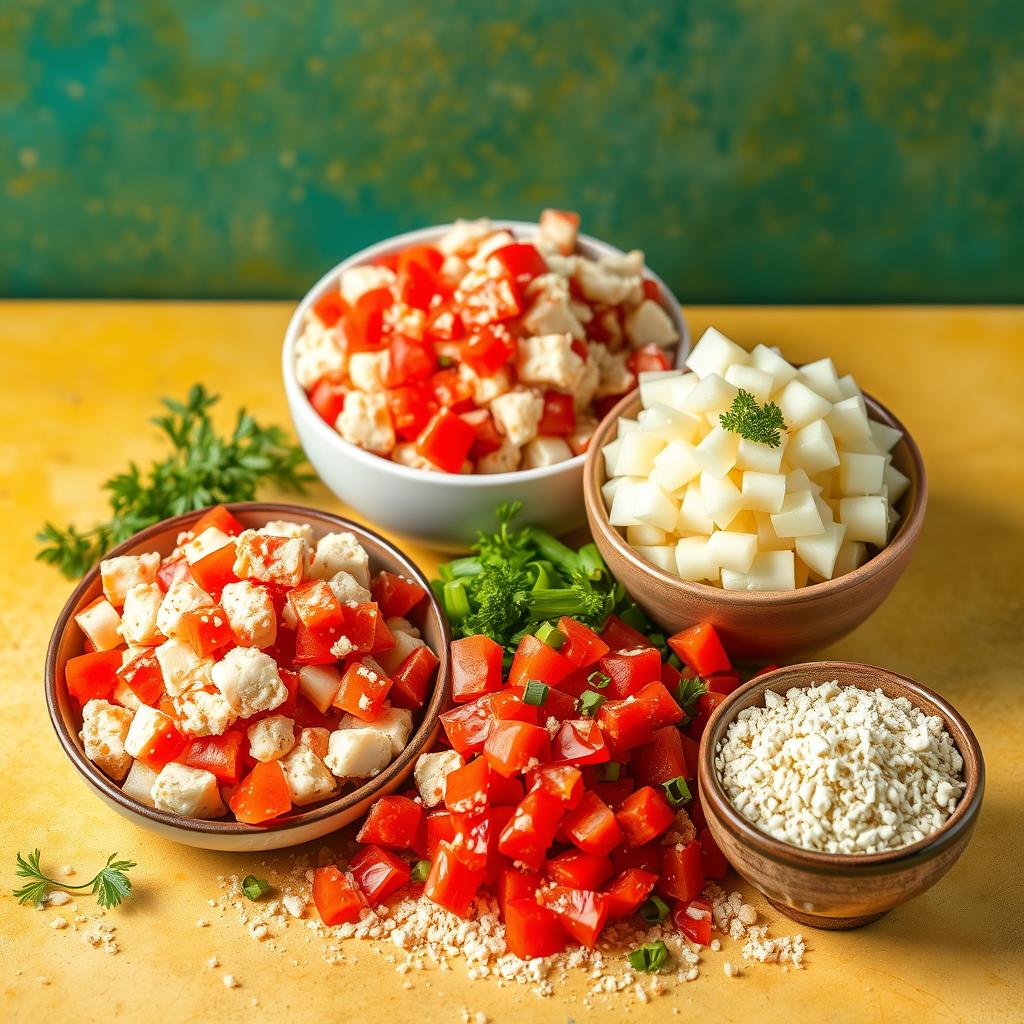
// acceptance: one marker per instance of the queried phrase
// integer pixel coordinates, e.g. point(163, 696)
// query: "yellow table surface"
point(80, 380)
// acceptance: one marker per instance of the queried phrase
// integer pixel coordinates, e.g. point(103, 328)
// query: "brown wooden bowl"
point(66, 642)
point(767, 626)
point(837, 891)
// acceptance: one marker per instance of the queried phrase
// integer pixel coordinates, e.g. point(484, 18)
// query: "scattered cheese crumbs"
point(295, 905)
point(101, 936)
point(230, 981)
point(202, 923)
point(59, 922)
point(58, 898)
point(42, 980)
point(731, 970)
point(213, 963)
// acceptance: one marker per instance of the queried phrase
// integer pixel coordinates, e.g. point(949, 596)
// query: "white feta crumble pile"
point(839, 769)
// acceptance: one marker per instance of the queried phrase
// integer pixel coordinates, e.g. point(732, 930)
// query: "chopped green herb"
point(445, 362)
point(689, 689)
point(456, 603)
point(654, 909)
point(548, 634)
point(677, 791)
point(610, 771)
point(420, 870)
point(535, 693)
point(255, 888)
point(649, 958)
point(589, 703)
point(598, 680)
point(746, 418)
point(110, 885)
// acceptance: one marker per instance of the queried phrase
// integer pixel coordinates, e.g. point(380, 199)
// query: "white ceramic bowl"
point(443, 510)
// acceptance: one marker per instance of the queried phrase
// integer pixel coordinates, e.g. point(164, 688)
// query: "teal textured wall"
point(759, 150)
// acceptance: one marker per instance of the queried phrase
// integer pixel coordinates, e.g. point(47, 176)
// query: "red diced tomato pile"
point(569, 793)
point(485, 353)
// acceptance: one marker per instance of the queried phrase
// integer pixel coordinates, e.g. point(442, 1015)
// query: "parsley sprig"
point(203, 468)
point(746, 418)
point(110, 885)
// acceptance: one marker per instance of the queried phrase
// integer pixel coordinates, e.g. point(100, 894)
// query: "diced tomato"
point(644, 815)
point(171, 572)
point(452, 391)
point(378, 873)
point(467, 789)
point(487, 350)
point(534, 659)
point(508, 706)
point(693, 918)
point(582, 645)
point(164, 742)
point(582, 913)
point(475, 667)
point(330, 308)
point(451, 883)
point(365, 628)
point(625, 724)
point(205, 629)
point(532, 930)
point(425, 256)
point(682, 871)
point(411, 408)
point(643, 858)
point(626, 894)
point(703, 709)
point(409, 362)
point(521, 262)
point(444, 323)
point(466, 726)
point(315, 605)
point(262, 795)
point(144, 677)
point(564, 782)
point(488, 438)
point(723, 682)
point(512, 747)
point(579, 870)
point(363, 324)
point(412, 679)
point(418, 285)
point(579, 741)
point(620, 636)
point(696, 812)
point(613, 793)
point(651, 290)
point(670, 676)
point(592, 826)
point(513, 884)
point(396, 595)
point(664, 709)
point(392, 821)
point(221, 518)
point(213, 572)
point(630, 670)
point(446, 441)
point(647, 358)
point(532, 829)
point(221, 755)
point(701, 649)
point(491, 301)
point(312, 647)
point(439, 827)
point(364, 687)
point(661, 759)
point(335, 896)
point(328, 399)
point(715, 864)
point(92, 676)
point(559, 415)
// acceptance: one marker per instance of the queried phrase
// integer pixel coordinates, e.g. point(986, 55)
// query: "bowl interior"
point(67, 642)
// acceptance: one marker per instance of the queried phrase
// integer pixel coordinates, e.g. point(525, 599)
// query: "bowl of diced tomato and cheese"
point(251, 677)
point(441, 372)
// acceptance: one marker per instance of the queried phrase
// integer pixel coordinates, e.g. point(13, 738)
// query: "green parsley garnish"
point(589, 703)
point(255, 888)
point(202, 469)
point(689, 689)
point(654, 909)
point(677, 791)
point(419, 871)
point(649, 958)
point(610, 771)
point(746, 418)
point(535, 693)
point(110, 885)
point(598, 680)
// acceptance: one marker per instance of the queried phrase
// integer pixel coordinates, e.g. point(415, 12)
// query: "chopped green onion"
point(563, 558)
point(548, 634)
point(654, 910)
point(591, 563)
point(649, 958)
point(461, 567)
point(677, 791)
point(445, 362)
point(535, 693)
point(598, 680)
point(610, 771)
point(456, 603)
point(255, 888)
point(589, 703)
point(419, 871)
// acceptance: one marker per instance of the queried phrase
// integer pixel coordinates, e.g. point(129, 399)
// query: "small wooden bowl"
point(232, 836)
point(767, 626)
point(838, 891)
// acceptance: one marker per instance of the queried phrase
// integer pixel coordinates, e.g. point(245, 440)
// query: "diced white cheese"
point(357, 281)
point(517, 414)
point(716, 453)
point(637, 452)
point(190, 792)
point(552, 311)
point(183, 596)
point(105, 728)
point(203, 712)
point(271, 738)
point(800, 405)
point(819, 552)
point(309, 779)
point(463, 237)
point(669, 424)
point(285, 528)
point(317, 353)
point(504, 459)
point(430, 772)
point(599, 284)
point(653, 507)
point(646, 536)
point(661, 555)
point(655, 386)
point(177, 660)
point(721, 499)
point(396, 724)
point(733, 551)
point(848, 420)
point(694, 561)
point(821, 376)
point(769, 361)
point(772, 570)
point(712, 393)
point(140, 618)
point(250, 613)
point(861, 474)
point(798, 517)
point(866, 518)
point(692, 517)
point(123, 572)
point(249, 681)
point(138, 783)
point(748, 378)
point(319, 684)
point(761, 458)
point(358, 753)
point(852, 555)
point(101, 624)
point(341, 552)
point(549, 360)
point(763, 492)
point(649, 324)
point(714, 354)
point(675, 466)
point(365, 421)
point(885, 437)
point(545, 451)
point(895, 482)
point(812, 448)
point(278, 560)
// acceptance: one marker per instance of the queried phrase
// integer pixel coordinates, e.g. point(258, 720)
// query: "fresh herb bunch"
point(202, 469)
point(746, 418)
point(110, 885)
point(517, 579)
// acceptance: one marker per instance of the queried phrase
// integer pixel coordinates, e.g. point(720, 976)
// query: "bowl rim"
point(421, 738)
point(905, 535)
point(299, 402)
point(957, 826)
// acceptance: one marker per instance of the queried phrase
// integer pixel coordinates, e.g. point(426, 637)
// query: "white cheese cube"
point(610, 487)
point(716, 454)
point(812, 448)
point(177, 660)
point(669, 424)
point(283, 528)
point(653, 507)
point(646, 536)
point(798, 480)
point(852, 555)
point(210, 540)
point(798, 517)
point(125, 695)
point(848, 420)
point(675, 466)
point(200, 711)
point(317, 352)
point(309, 780)
point(430, 772)
point(405, 644)
point(396, 724)
point(598, 284)
point(710, 395)
point(357, 281)
point(625, 502)
point(358, 753)
point(249, 681)
point(138, 783)
point(316, 739)
point(637, 454)
point(751, 379)
point(271, 738)
point(517, 414)
point(365, 421)
point(139, 621)
point(552, 312)
point(860, 474)
point(767, 538)
point(772, 570)
point(250, 613)
point(824, 509)
point(611, 452)
point(692, 517)
point(763, 492)
point(504, 459)
point(848, 387)
point(885, 437)
point(733, 551)
point(146, 725)
point(183, 596)
point(625, 264)
point(341, 552)
point(761, 458)
point(693, 560)
point(101, 624)
point(105, 728)
point(626, 426)
point(735, 580)
point(866, 518)
point(714, 354)
point(120, 574)
point(649, 324)
point(549, 361)
point(819, 553)
point(282, 561)
point(190, 792)
point(545, 451)
point(895, 482)
point(769, 361)
point(800, 405)
point(368, 370)
point(721, 499)
point(655, 386)
point(661, 555)
point(821, 376)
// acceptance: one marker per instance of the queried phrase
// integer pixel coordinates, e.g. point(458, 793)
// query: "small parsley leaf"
point(746, 418)
point(110, 885)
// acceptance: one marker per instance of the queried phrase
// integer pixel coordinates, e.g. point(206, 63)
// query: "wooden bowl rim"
point(422, 737)
point(715, 801)
point(906, 533)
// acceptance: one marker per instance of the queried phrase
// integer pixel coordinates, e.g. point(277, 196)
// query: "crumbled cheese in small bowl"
point(840, 790)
